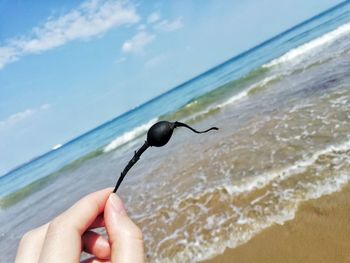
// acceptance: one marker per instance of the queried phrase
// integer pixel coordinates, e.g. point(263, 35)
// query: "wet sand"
point(320, 232)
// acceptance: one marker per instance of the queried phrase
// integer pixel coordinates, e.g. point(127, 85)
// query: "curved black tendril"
point(180, 124)
point(158, 135)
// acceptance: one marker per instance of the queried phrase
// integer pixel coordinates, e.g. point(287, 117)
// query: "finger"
point(83, 213)
point(31, 244)
point(96, 245)
point(63, 237)
point(95, 260)
point(125, 237)
point(99, 222)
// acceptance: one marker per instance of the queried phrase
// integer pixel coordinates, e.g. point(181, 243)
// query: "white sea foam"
point(245, 92)
point(298, 167)
point(234, 98)
point(203, 249)
point(231, 100)
point(237, 97)
point(312, 46)
point(129, 136)
point(259, 182)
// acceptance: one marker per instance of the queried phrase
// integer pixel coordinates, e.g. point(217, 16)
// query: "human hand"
point(64, 238)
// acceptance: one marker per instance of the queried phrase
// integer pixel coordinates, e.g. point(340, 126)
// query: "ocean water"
point(283, 109)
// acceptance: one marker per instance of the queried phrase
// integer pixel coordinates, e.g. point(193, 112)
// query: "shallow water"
point(255, 171)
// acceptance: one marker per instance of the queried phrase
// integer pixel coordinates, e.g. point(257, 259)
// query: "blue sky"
point(68, 66)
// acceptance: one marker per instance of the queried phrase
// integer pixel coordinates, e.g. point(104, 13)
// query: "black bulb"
point(158, 135)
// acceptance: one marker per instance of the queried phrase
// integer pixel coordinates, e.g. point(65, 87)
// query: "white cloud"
point(168, 26)
point(20, 116)
point(152, 18)
point(137, 43)
point(7, 55)
point(92, 18)
point(14, 118)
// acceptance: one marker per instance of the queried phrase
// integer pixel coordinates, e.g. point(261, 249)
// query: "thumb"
point(124, 236)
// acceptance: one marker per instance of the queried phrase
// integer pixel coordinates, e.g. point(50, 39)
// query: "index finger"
point(83, 213)
point(63, 238)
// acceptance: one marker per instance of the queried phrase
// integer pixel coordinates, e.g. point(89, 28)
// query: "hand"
point(64, 238)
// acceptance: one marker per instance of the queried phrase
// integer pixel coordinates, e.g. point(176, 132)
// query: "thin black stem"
point(180, 124)
point(130, 164)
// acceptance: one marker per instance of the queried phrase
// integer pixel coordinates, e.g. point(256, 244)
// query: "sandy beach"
point(319, 233)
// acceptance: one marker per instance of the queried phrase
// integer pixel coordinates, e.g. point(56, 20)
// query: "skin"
point(65, 237)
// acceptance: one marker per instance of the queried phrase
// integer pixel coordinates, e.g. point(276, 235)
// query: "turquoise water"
point(283, 112)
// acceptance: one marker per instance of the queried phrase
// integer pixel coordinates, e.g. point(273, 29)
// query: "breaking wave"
point(310, 47)
point(129, 136)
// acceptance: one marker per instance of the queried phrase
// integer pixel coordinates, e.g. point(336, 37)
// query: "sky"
point(69, 66)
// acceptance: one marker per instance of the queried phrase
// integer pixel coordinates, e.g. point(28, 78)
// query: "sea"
point(283, 112)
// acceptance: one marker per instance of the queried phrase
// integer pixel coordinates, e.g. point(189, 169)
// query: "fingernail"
point(117, 204)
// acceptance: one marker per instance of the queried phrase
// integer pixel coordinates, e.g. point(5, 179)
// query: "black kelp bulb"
point(158, 135)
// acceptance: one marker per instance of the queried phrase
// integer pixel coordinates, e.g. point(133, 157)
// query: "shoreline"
point(320, 232)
